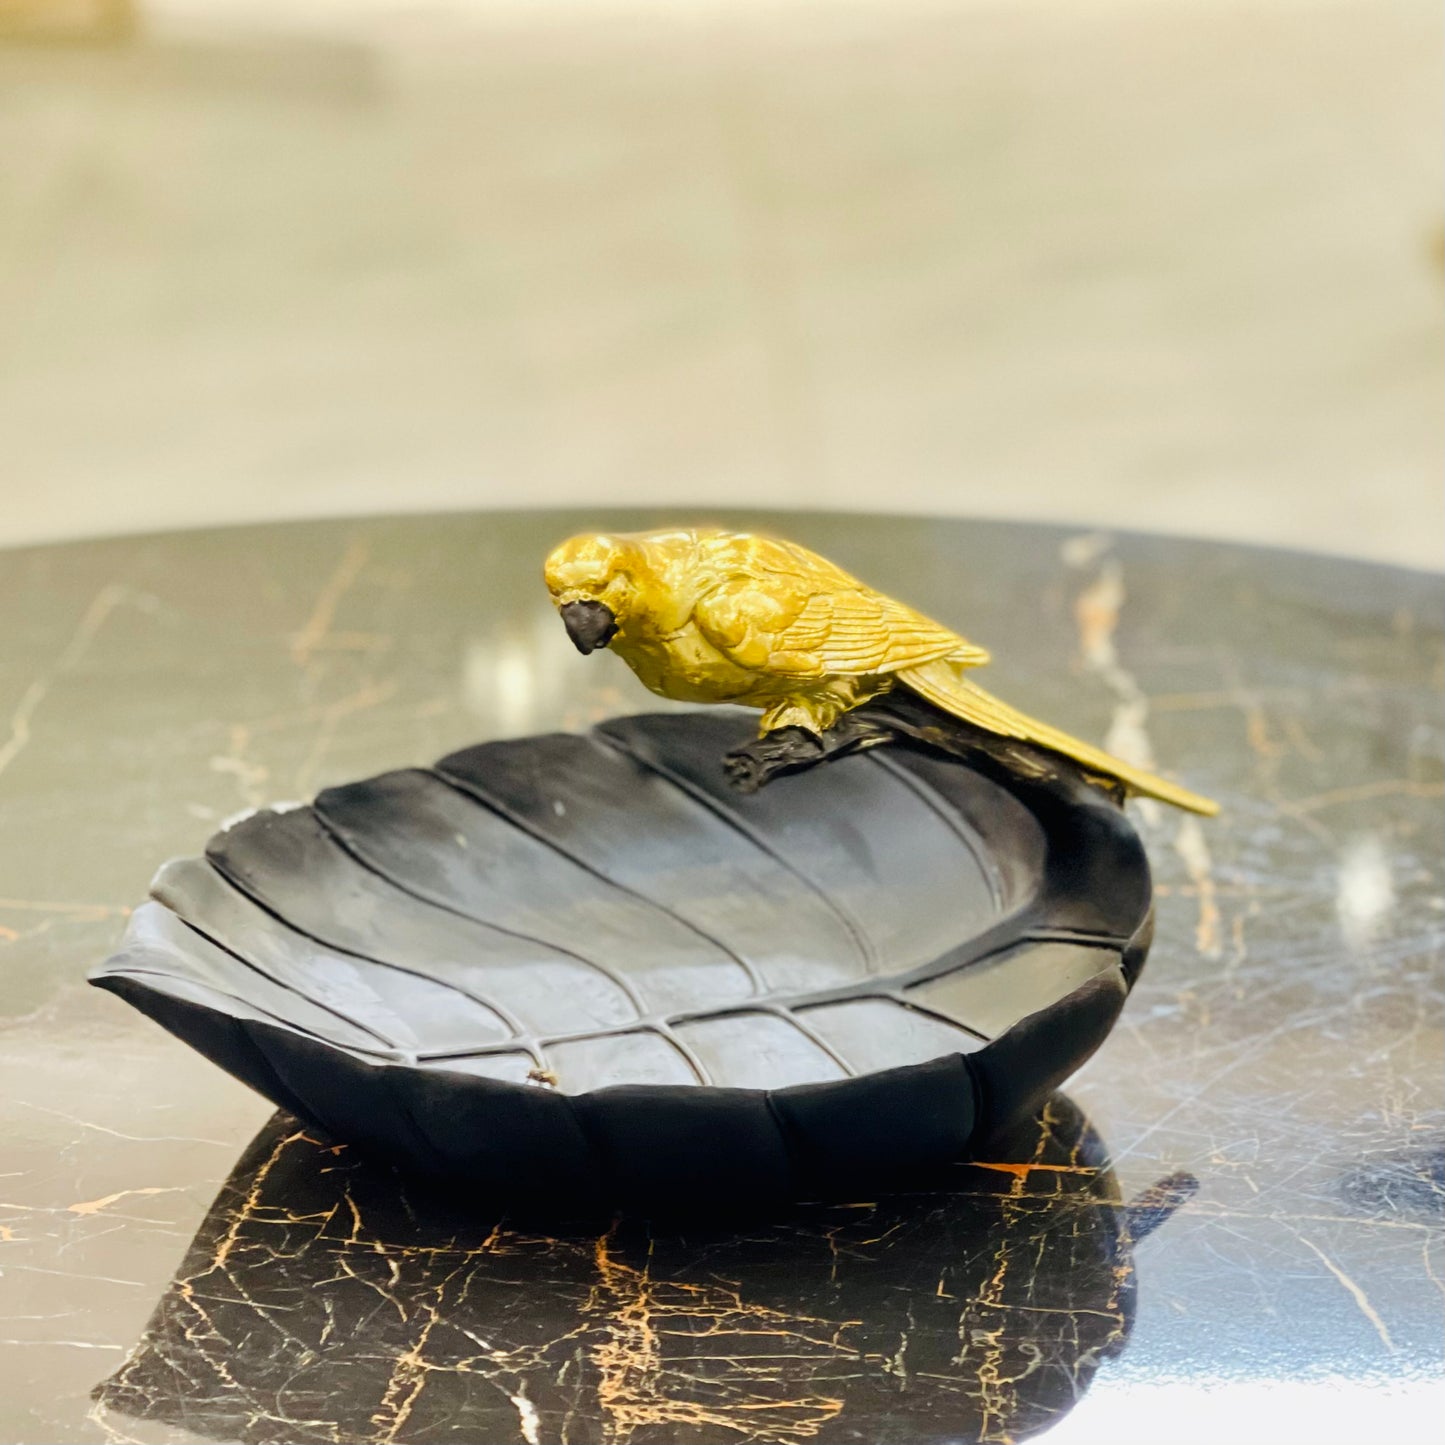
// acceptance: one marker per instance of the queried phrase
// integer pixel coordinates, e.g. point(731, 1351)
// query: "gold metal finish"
point(711, 616)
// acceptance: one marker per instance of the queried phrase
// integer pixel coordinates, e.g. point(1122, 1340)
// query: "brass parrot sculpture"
point(703, 615)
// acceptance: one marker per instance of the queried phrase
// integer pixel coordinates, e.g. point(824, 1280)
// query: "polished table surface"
point(1229, 1228)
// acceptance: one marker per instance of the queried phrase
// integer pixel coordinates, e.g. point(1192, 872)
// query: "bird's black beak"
point(590, 625)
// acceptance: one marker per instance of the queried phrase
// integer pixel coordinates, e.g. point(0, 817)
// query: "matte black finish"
point(588, 967)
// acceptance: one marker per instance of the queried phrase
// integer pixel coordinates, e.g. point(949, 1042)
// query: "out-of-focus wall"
point(1171, 264)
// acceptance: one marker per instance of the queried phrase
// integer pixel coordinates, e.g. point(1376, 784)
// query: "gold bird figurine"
point(702, 615)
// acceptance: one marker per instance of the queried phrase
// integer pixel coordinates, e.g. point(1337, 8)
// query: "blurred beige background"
point(1170, 264)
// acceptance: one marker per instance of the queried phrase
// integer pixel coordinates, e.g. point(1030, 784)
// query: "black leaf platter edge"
point(588, 970)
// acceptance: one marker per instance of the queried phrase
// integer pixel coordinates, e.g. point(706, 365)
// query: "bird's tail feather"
point(945, 687)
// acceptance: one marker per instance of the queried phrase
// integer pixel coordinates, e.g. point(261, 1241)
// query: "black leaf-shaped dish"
point(587, 969)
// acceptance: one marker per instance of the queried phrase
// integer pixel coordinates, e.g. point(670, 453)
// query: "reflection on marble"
point(324, 1299)
point(1283, 1044)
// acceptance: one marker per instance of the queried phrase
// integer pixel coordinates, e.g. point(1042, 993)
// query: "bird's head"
point(597, 581)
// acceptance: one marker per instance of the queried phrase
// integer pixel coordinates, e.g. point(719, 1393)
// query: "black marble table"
point(1229, 1229)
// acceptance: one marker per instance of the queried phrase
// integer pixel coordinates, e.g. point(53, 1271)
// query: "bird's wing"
point(804, 623)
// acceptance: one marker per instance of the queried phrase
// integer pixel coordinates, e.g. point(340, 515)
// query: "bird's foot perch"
point(792, 749)
point(898, 718)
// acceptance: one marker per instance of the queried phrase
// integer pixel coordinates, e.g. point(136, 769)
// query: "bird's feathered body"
point(714, 616)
